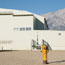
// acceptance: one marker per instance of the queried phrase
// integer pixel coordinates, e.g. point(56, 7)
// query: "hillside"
point(56, 20)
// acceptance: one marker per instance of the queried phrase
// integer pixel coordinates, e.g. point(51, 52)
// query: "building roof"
point(14, 12)
point(17, 12)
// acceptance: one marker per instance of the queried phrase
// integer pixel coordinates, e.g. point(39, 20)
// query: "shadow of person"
point(58, 61)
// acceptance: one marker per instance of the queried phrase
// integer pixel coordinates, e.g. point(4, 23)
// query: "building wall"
point(14, 32)
point(21, 40)
point(55, 39)
point(24, 21)
point(14, 36)
point(9, 22)
point(15, 41)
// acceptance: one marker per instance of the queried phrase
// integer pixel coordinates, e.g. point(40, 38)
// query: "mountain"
point(56, 20)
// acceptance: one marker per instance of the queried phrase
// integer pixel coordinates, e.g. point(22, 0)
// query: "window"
point(28, 28)
point(22, 29)
point(16, 29)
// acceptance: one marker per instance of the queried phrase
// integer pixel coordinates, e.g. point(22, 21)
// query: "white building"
point(22, 30)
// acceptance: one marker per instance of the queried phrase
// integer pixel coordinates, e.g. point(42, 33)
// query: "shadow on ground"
point(58, 61)
point(5, 50)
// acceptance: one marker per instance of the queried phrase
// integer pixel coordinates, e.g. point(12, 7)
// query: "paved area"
point(31, 58)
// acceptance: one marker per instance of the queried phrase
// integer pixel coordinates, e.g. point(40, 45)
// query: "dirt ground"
point(31, 58)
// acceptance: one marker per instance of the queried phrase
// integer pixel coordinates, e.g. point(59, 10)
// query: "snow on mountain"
point(56, 20)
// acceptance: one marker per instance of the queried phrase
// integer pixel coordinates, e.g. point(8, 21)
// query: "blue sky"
point(34, 6)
